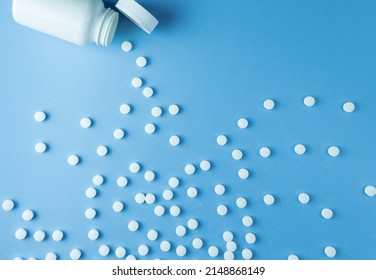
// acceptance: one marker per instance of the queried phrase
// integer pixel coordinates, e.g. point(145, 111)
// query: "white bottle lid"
point(138, 14)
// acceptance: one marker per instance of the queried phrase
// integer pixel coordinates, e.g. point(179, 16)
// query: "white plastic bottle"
point(78, 21)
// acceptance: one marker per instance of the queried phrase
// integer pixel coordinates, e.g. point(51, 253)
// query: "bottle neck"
point(105, 26)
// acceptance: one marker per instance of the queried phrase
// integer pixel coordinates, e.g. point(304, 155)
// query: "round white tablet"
point(126, 46)
point(73, 160)
point(221, 210)
point(148, 92)
point(118, 133)
point(250, 238)
point(134, 167)
point(165, 246)
point(104, 250)
point(227, 236)
point(247, 221)
point(150, 198)
point(370, 190)
point(75, 254)
point(120, 252)
point(27, 215)
point(122, 181)
point(241, 202)
point(243, 123)
point(330, 251)
point(205, 165)
point(20, 234)
point(247, 254)
point(269, 104)
point(8, 205)
point(133, 225)
point(51, 256)
point(130, 258)
point(93, 234)
point(228, 255)
point(237, 154)
point(333, 151)
point(167, 194)
point(118, 206)
point(152, 235)
point(293, 257)
point(141, 61)
point(143, 250)
point(189, 169)
point(40, 116)
point(231, 246)
point(219, 189)
point(348, 107)
point(303, 198)
point(173, 182)
point(40, 147)
point(174, 210)
point(102, 151)
point(139, 198)
point(192, 224)
point(159, 210)
point(39, 235)
point(181, 251)
point(265, 152)
point(327, 213)
point(174, 140)
point(221, 140)
point(213, 251)
point(91, 192)
point(136, 82)
point(173, 109)
point(90, 213)
point(150, 128)
point(269, 199)
point(156, 112)
point(98, 180)
point(57, 235)
point(125, 109)
point(197, 243)
point(180, 230)
point(309, 101)
point(192, 192)
point(299, 149)
point(149, 176)
point(243, 173)
point(85, 122)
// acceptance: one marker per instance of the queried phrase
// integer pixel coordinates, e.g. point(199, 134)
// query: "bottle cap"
point(138, 14)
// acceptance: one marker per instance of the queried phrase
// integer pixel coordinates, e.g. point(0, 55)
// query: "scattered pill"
point(143, 250)
point(243, 123)
point(370, 190)
point(39, 235)
point(303, 198)
point(189, 169)
point(243, 173)
point(221, 210)
point(98, 180)
point(327, 213)
point(125, 109)
point(159, 210)
point(192, 192)
point(148, 92)
point(174, 140)
point(309, 101)
point(118, 206)
point(330, 251)
point(93, 234)
point(231, 246)
point(180, 230)
point(150, 128)
point(20, 234)
point(293, 257)
point(8, 205)
point(241, 202)
point(133, 225)
point(300, 149)
point(219, 189)
point(102, 151)
point(130, 258)
point(237, 154)
point(333, 151)
point(247, 221)
point(213, 251)
point(150, 198)
point(228, 255)
point(173, 182)
point(136, 82)
point(51, 256)
point(57, 235)
point(40, 147)
point(40, 116)
point(122, 181)
point(250, 238)
point(75, 254)
point(221, 140)
point(73, 160)
point(85, 122)
point(197, 243)
point(181, 251)
point(126, 46)
point(91, 192)
point(173, 109)
point(205, 165)
point(118, 133)
point(269, 199)
point(27, 215)
point(139, 198)
point(247, 254)
point(152, 235)
point(167, 194)
point(165, 246)
point(149, 176)
point(269, 104)
point(120, 252)
point(156, 112)
point(192, 224)
point(227, 236)
point(134, 167)
point(90, 213)
point(141, 61)
point(175, 210)
point(104, 250)
point(348, 107)
point(265, 152)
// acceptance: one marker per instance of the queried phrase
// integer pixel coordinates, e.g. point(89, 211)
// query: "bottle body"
point(78, 21)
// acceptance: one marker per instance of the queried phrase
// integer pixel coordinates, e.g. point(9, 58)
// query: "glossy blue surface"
point(218, 61)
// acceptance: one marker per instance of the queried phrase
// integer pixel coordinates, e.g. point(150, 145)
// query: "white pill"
point(85, 122)
point(348, 107)
point(18, 259)
point(175, 210)
point(189, 169)
point(221, 140)
point(192, 224)
point(180, 230)
point(173, 109)
point(293, 257)
point(159, 210)
point(213, 251)
point(241, 202)
point(228, 255)
point(237, 154)
point(205, 165)
point(141, 61)
point(150, 198)
point(125, 109)
point(133, 225)
point(265, 152)
point(139, 198)
point(247, 254)
point(126, 46)
point(219, 189)
point(98, 180)
point(104, 250)
point(269, 199)
point(173, 182)
point(134, 167)
point(197, 243)
point(102, 151)
point(32, 259)
point(20, 234)
point(327, 213)
point(300, 149)
point(150, 128)
point(120, 252)
point(231, 246)
point(333, 151)
point(156, 112)
point(8, 205)
point(152, 235)
point(118, 133)
point(243, 123)
point(51, 256)
point(73, 160)
point(181, 251)
point(192, 192)
point(303, 198)
point(309, 101)
point(40, 116)
point(250, 238)
point(40, 147)
point(221, 210)
point(243, 173)
point(136, 82)
point(39, 235)
point(165, 246)
point(118, 206)
point(148, 92)
point(370, 190)
point(75, 254)
point(130, 258)
point(330, 251)
point(90, 213)
point(122, 181)
point(227, 236)
point(143, 250)
point(57, 235)
point(167, 194)
point(269, 104)
point(149, 176)
point(93, 234)
point(174, 140)
point(247, 221)
point(91, 192)
point(27, 215)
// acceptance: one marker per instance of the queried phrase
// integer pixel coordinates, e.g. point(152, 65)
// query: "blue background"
point(218, 60)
